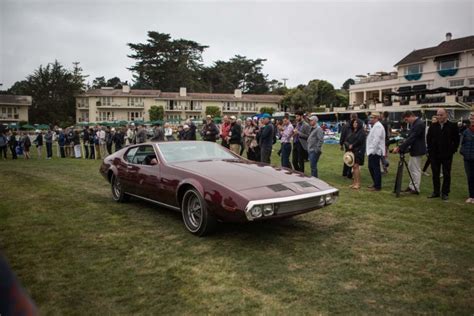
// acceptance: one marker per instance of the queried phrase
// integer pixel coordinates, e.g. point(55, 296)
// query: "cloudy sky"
point(332, 40)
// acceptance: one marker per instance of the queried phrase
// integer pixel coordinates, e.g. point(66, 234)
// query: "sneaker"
point(444, 197)
point(469, 200)
point(433, 195)
point(426, 174)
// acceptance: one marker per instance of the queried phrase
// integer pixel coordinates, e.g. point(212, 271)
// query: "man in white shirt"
point(375, 150)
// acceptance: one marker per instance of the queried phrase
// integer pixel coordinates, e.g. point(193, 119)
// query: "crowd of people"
point(300, 140)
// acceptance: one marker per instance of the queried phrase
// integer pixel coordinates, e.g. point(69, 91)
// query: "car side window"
point(144, 155)
point(130, 154)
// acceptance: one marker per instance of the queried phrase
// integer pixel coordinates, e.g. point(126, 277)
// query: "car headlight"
point(256, 211)
point(268, 210)
point(328, 198)
point(322, 201)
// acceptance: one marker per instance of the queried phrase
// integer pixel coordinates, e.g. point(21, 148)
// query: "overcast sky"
point(332, 40)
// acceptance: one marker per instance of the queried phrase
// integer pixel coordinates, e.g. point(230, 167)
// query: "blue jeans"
point(285, 155)
point(469, 168)
point(313, 162)
point(374, 168)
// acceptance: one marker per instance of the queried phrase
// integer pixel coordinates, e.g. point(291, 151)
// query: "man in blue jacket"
point(416, 145)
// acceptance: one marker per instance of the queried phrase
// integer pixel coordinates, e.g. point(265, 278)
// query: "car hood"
point(246, 177)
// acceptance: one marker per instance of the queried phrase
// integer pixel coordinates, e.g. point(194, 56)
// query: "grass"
point(76, 251)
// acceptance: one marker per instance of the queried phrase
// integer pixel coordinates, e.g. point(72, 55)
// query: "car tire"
point(196, 217)
point(117, 191)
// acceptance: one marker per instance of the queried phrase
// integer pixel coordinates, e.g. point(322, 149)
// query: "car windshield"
point(198, 150)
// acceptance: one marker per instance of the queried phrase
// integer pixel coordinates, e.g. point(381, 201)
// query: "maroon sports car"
point(207, 183)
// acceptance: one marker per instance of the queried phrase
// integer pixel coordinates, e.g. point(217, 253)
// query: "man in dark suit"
point(416, 145)
point(443, 142)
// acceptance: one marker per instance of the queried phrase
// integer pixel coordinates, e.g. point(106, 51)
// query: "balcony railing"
point(432, 100)
point(376, 79)
point(231, 109)
point(119, 105)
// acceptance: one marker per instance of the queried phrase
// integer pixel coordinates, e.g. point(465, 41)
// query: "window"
point(448, 64)
point(230, 106)
point(9, 113)
point(471, 81)
point(134, 115)
point(248, 106)
point(456, 83)
point(195, 106)
point(142, 155)
point(414, 69)
point(130, 154)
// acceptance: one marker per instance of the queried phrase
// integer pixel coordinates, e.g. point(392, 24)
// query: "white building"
point(437, 76)
point(14, 108)
point(127, 104)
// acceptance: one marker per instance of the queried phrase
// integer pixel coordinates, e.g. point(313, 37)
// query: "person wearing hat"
point(235, 135)
point(192, 129)
point(415, 144)
point(300, 141)
point(210, 131)
point(356, 144)
point(315, 144)
point(375, 150)
point(265, 137)
point(186, 132)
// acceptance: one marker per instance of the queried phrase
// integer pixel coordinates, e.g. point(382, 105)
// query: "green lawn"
point(78, 252)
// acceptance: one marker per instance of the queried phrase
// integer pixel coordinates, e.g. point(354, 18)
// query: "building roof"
point(444, 48)
point(15, 99)
point(222, 97)
point(120, 93)
point(189, 96)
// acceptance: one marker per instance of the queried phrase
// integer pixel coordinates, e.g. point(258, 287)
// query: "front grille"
point(298, 205)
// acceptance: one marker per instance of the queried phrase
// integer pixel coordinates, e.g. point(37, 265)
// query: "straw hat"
point(349, 158)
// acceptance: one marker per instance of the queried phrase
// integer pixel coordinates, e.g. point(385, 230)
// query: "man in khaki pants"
point(235, 135)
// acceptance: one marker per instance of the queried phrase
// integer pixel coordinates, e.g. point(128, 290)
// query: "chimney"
point(182, 92)
point(125, 89)
point(238, 93)
point(448, 36)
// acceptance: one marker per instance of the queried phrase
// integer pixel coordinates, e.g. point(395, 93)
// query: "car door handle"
point(129, 167)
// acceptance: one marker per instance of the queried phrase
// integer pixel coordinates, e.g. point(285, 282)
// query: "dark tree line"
point(53, 89)
point(168, 64)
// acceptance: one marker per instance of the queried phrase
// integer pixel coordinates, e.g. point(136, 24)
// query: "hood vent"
point(278, 187)
point(305, 184)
